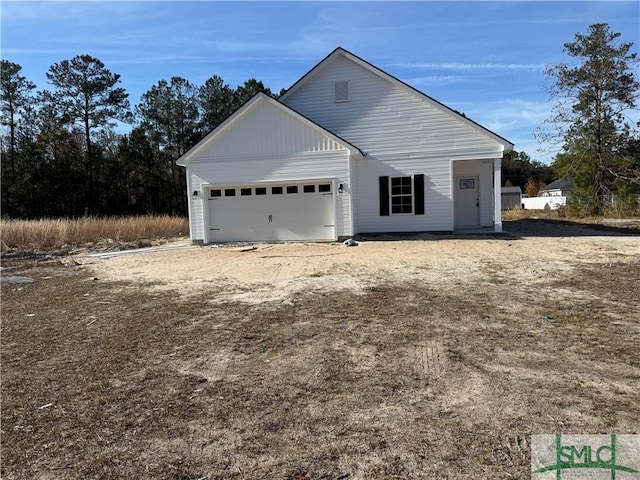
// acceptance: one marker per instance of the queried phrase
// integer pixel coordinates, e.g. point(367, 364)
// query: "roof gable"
point(565, 183)
point(342, 53)
point(264, 126)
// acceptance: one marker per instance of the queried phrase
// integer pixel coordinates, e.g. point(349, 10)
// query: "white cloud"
point(83, 12)
point(514, 119)
point(473, 66)
point(436, 80)
point(513, 112)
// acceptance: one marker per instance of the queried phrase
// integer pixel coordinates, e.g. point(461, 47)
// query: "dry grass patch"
point(520, 214)
point(45, 234)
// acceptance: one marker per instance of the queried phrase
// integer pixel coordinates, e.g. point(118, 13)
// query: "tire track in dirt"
point(429, 362)
point(280, 276)
point(265, 293)
point(221, 365)
point(511, 451)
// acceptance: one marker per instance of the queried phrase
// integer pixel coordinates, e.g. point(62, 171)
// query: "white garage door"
point(278, 212)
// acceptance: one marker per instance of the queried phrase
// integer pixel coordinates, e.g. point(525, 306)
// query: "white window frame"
point(401, 195)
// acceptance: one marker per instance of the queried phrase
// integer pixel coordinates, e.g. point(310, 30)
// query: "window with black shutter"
point(401, 195)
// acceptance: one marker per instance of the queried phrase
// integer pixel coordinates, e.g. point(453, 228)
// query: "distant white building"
point(558, 188)
point(551, 197)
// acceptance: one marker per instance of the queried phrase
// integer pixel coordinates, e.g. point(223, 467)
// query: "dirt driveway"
point(280, 272)
point(430, 357)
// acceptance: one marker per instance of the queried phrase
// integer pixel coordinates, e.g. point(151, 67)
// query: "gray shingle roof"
point(562, 184)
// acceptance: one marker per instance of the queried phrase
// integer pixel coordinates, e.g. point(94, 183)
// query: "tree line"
point(62, 155)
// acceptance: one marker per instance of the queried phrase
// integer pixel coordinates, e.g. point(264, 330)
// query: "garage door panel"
point(272, 217)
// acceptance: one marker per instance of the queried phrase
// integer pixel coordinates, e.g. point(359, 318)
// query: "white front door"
point(467, 202)
point(274, 212)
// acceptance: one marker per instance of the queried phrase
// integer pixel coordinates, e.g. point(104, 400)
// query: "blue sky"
point(485, 59)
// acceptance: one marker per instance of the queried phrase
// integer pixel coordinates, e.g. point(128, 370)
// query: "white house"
point(347, 149)
point(557, 188)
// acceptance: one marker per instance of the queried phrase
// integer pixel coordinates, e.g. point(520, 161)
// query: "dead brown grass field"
point(48, 234)
point(422, 358)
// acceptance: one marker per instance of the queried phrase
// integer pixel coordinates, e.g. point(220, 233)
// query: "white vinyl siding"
point(263, 129)
point(382, 118)
point(437, 204)
point(402, 134)
point(263, 144)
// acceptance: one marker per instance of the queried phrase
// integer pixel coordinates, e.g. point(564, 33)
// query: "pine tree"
point(87, 96)
point(593, 96)
point(15, 97)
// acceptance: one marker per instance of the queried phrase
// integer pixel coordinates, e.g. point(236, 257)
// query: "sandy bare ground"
point(428, 357)
point(279, 272)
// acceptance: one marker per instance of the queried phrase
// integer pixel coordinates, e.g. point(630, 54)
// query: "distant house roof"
point(562, 184)
point(511, 190)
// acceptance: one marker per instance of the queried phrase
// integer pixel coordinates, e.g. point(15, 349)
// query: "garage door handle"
point(270, 218)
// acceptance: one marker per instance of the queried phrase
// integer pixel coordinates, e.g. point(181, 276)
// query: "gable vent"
point(341, 91)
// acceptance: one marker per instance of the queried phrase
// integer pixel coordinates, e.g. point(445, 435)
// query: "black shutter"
point(418, 192)
point(384, 196)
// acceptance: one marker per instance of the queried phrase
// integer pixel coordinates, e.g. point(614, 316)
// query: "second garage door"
point(277, 212)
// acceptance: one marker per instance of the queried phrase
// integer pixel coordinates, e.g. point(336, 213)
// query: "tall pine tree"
point(86, 95)
point(594, 93)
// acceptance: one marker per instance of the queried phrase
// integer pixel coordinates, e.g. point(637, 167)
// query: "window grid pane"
point(401, 195)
